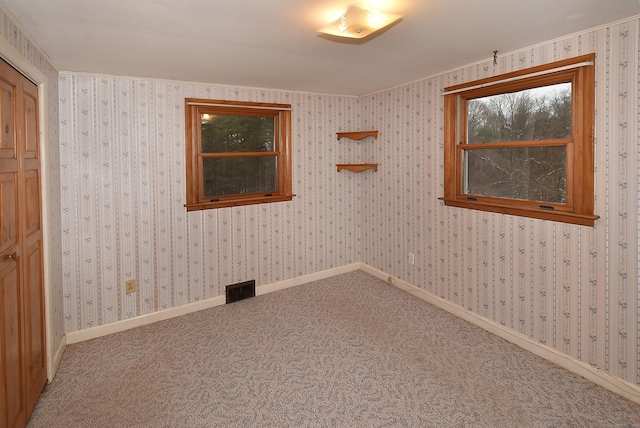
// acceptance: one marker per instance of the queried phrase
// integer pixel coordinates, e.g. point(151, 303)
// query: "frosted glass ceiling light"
point(357, 23)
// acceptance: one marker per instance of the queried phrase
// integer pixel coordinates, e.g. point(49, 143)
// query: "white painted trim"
point(287, 283)
point(14, 57)
point(57, 357)
point(123, 325)
point(593, 374)
point(22, 64)
point(24, 33)
point(118, 326)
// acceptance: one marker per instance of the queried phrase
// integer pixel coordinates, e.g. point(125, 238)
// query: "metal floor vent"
point(241, 291)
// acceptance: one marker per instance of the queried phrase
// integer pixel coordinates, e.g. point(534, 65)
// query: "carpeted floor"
point(348, 351)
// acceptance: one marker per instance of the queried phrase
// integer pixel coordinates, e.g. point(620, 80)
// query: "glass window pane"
point(225, 133)
point(527, 173)
point(237, 176)
point(533, 114)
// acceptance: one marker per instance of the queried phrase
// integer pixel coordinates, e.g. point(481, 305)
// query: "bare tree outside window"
point(525, 173)
point(238, 153)
point(238, 175)
point(521, 143)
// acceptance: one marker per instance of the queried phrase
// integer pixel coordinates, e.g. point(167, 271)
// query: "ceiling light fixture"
point(358, 22)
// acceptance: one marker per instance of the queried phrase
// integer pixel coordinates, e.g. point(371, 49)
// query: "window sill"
point(238, 202)
point(561, 216)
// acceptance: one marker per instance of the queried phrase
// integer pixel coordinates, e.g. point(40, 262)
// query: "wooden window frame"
point(579, 207)
point(194, 108)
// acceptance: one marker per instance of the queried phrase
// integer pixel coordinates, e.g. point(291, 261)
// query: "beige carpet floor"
point(348, 351)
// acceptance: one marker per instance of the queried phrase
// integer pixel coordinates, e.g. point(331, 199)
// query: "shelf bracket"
point(357, 167)
point(358, 135)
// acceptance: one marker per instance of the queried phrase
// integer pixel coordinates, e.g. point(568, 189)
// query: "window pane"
point(237, 176)
point(533, 114)
point(528, 173)
point(224, 134)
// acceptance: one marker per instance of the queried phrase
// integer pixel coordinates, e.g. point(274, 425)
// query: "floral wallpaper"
point(572, 288)
point(122, 195)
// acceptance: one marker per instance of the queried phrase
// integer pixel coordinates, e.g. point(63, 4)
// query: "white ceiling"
point(274, 44)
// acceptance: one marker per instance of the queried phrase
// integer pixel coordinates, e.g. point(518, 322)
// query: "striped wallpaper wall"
point(570, 287)
point(122, 195)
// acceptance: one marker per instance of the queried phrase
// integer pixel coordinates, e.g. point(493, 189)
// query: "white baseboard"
point(287, 283)
point(594, 374)
point(118, 326)
point(54, 363)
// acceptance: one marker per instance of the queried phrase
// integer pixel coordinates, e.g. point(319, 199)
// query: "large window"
point(522, 143)
point(238, 153)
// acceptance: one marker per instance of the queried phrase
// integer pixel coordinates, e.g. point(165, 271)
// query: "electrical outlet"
point(412, 259)
point(130, 286)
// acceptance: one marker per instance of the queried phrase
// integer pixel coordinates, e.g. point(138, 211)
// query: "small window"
point(522, 143)
point(238, 153)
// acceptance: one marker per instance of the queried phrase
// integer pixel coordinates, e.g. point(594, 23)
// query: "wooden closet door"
point(13, 394)
point(22, 333)
point(33, 275)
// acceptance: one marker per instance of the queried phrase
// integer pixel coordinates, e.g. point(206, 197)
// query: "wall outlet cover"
point(130, 286)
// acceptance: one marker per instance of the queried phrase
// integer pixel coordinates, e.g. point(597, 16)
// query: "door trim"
point(15, 58)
